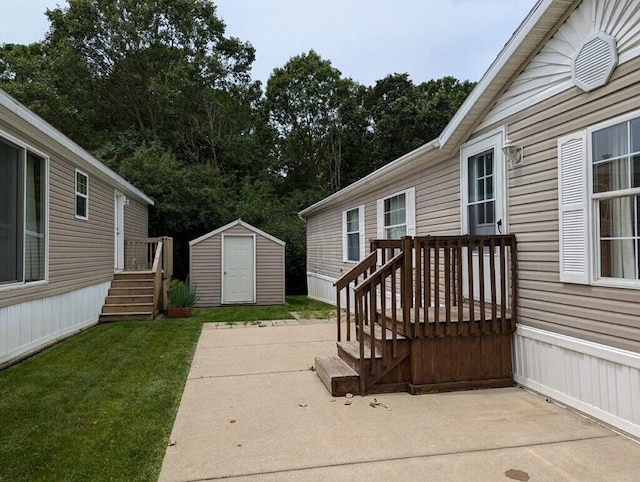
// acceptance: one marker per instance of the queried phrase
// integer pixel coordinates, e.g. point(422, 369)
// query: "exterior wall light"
point(513, 154)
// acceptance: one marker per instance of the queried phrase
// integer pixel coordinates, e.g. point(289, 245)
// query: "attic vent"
point(595, 61)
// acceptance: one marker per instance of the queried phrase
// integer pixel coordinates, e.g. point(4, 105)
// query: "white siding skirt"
point(320, 287)
point(28, 327)
point(598, 380)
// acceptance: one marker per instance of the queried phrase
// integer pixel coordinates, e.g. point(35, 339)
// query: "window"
point(599, 204)
point(615, 154)
point(82, 195)
point(353, 234)
point(481, 203)
point(22, 214)
point(396, 215)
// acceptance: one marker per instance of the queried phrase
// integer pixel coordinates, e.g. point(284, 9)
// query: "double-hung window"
point(23, 210)
point(82, 195)
point(396, 215)
point(615, 155)
point(599, 201)
point(353, 234)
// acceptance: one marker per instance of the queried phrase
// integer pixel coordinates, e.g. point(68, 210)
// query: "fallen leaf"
point(302, 404)
point(347, 402)
point(232, 421)
point(172, 443)
point(349, 395)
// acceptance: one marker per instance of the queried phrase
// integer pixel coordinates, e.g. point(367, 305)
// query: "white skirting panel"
point(27, 327)
point(320, 287)
point(598, 380)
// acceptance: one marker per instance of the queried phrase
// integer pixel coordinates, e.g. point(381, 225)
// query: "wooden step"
point(135, 291)
point(349, 351)
point(337, 376)
point(128, 308)
point(132, 283)
point(403, 343)
point(114, 299)
point(127, 275)
point(110, 317)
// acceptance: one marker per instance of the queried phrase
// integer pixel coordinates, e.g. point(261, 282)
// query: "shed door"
point(238, 269)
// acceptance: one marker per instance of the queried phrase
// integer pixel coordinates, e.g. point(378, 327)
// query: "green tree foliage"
point(156, 90)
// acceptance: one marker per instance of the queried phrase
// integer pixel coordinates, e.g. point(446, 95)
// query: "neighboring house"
point(63, 220)
point(565, 88)
point(237, 264)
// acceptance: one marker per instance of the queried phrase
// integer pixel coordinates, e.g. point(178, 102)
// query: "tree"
point(302, 108)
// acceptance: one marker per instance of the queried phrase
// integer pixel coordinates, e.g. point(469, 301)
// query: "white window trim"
point(410, 212)
point(86, 196)
point(345, 240)
point(591, 228)
point(47, 162)
point(493, 139)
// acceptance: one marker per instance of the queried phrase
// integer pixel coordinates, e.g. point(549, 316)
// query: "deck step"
point(128, 308)
point(109, 317)
point(136, 291)
point(337, 376)
point(114, 299)
point(132, 283)
point(128, 275)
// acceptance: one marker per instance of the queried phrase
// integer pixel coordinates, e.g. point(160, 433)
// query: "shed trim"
point(237, 222)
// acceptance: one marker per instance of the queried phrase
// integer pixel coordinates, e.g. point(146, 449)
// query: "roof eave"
point(351, 189)
point(39, 123)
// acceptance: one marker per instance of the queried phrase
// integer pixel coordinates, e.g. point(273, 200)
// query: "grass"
point(99, 406)
point(305, 307)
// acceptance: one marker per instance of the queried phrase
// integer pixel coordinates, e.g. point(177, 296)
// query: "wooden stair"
point(341, 374)
point(130, 297)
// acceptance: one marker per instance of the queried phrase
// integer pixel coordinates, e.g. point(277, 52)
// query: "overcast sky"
point(365, 39)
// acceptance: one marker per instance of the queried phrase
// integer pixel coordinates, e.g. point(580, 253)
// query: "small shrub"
point(182, 295)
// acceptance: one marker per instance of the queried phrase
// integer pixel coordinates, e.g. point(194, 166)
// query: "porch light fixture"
point(513, 154)
point(126, 202)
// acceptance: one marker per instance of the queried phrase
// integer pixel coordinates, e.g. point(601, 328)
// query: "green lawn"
point(99, 406)
point(302, 305)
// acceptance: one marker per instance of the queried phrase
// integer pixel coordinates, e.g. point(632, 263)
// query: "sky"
point(365, 39)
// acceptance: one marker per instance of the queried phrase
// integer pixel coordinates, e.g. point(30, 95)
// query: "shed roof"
point(237, 222)
point(542, 21)
point(90, 161)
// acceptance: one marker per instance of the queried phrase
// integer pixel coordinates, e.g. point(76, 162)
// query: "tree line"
point(159, 93)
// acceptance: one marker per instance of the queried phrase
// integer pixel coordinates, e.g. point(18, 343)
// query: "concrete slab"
point(266, 416)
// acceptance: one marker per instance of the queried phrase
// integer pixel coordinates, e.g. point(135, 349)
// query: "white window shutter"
point(361, 229)
point(345, 246)
point(410, 203)
point(572, 206)
point(380, 233)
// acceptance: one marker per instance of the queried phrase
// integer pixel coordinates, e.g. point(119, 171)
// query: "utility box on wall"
point(237, 264)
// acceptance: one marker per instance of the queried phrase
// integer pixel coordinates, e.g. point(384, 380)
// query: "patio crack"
point(393, 459)
point(248, 374)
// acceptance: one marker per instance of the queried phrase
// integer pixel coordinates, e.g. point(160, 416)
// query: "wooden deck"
point(458, 343)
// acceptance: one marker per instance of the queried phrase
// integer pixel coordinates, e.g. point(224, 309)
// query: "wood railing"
point(432, 286)
point(152, 255)
point(351, 279)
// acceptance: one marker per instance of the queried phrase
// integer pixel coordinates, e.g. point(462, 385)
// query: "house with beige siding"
point(546, 149)
point(64, 217)
point(237, 264)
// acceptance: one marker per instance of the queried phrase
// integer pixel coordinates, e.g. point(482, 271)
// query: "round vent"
point(594, 61)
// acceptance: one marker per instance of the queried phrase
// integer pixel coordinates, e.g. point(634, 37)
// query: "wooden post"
point(407, 289)
point(514, 283)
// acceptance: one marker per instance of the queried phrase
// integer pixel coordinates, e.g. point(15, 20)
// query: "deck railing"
point(432, 286)
point(153, 255)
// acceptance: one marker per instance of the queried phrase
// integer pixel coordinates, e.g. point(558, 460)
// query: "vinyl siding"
point(136, 219)
point(437, 213)
point(205, 269)
point(600, 314)
point(80, 251)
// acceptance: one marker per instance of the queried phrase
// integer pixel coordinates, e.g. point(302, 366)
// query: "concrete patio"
point(253, 409)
